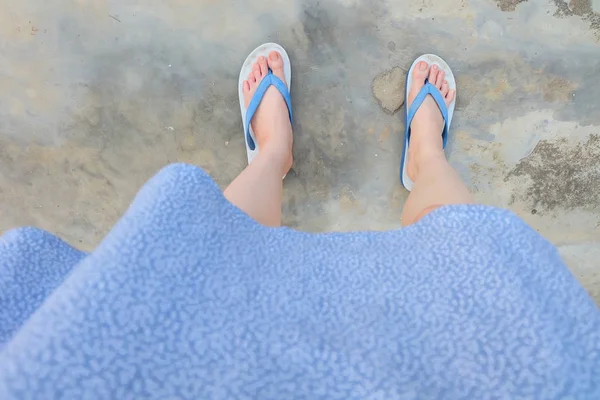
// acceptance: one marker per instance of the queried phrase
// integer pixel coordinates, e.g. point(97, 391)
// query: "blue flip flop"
point(427, 90)
point(270, 80)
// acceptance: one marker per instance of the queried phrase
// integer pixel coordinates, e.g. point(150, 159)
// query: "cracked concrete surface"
point(96, 96)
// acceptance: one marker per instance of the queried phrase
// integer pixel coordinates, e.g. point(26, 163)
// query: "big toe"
point(275, 62)
point(419, 74)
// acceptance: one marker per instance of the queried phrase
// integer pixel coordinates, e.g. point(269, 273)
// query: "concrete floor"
point(96, 96)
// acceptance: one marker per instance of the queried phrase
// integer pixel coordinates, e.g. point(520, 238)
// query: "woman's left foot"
point(428, 123)
point(271, 122)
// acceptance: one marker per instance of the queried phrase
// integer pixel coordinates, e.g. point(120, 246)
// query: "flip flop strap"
point(267, 81)
point(429, 89)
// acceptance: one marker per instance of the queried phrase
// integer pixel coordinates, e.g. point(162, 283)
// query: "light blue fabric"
point(188, 298)
point(33, 264)
point(267, 81)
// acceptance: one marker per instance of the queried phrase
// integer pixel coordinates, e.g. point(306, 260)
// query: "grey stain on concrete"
point(586, 9)
point(561, 175)
point(508, 5)
point(558, 89)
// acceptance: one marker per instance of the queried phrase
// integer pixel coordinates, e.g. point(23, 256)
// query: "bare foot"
point(428, 123)
point(271, 122)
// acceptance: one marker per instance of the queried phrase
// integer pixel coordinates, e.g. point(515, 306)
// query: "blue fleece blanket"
point(189, 298)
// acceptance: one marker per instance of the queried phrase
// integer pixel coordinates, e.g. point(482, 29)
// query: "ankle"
point(277, 158)
point(425, 157)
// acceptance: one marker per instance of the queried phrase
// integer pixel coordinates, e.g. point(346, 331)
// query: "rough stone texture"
point(96, 96)
point(586, 9)
point(508, 5)
point(389, 89)
point(561, 175)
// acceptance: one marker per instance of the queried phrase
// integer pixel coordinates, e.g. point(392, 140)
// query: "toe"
point(419, 74)
point(450, 96)
point(433, 73)
point(256, 72)
point(420, 71)
point(275, 62)
point(440, 79)
point(248, 88)
point(262, 64)
point(444, 88)
point(251, 78)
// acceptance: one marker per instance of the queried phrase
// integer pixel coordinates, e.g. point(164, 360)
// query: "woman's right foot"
point(428, 123)
point(271, 122)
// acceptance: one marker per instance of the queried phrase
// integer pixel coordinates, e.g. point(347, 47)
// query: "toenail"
point(435, 67)
point(273, 56)
point(422, 66)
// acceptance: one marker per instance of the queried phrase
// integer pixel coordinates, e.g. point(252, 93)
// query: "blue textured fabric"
point(189, 298)
point(33, 264)
point(268, 80)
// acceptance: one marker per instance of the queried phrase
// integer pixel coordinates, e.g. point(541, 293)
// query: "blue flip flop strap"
point(267, 81)
point(429, 89)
